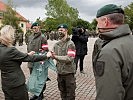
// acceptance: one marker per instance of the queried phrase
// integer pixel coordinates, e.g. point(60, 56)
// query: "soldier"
point(16, 38)
point(51, 35)
point(27, 34)
point(36, 42)
point(64, 54)
point(20, 36)
point(113, 63)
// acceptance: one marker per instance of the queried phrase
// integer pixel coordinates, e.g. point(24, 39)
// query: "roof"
point(28, 25)
point(3, 9)
point(2, 6)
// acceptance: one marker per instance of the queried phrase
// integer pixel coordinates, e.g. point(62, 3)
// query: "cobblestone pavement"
point(85, 82)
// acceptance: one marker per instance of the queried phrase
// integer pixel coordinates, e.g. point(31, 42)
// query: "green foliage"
point(41, 23)
point(129, 15)
point(83, 23)
point(19, 30)
point(51, 24)
point(60, 12)
point(9, 17)
point(93, 25)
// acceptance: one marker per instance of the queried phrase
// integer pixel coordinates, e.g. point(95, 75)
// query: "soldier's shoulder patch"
point(99, 68)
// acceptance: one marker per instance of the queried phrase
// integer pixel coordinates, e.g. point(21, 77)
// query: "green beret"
point(109, 9)
point(62, 26)
point(34, 24)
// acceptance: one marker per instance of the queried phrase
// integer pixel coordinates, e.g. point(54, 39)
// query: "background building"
point(24, 23)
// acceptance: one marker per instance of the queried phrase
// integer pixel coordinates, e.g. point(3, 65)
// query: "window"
point(1, 14)
point(22, 25)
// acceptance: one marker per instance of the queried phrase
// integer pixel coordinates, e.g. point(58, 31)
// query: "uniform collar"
point(67, 39)
point(63, 42)
point(116, 33)
point(36, 34)
point(2, 45)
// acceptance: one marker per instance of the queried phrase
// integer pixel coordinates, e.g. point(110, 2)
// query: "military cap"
point(62, 26)
point(109, 9)
point(34, 24)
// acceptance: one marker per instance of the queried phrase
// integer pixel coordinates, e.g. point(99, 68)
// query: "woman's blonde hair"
point(7, 35)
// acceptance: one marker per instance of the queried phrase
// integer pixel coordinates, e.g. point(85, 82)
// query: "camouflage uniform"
point(20, 36)
point(35, 43)
point(16, 38)
point(65, 68)
point(27, 34)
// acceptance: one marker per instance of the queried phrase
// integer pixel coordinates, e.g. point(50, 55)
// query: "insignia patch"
point(99, 68)
point(45, 46)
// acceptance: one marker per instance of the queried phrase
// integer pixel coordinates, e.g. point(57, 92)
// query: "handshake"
point(49, 54)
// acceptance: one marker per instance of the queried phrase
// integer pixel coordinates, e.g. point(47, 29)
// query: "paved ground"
point(85, 82)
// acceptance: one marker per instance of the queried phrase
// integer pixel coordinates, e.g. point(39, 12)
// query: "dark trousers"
point(16, 93)
point(67, 86)
point(81, 58)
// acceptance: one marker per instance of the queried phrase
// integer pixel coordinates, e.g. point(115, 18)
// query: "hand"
point(49, 54)
point(53, 55)
point(31, 53)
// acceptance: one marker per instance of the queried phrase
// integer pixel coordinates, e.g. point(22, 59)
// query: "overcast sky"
point(33, 9)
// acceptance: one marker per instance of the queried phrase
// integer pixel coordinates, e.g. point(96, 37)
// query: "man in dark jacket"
point(37, 42)
point(80, 40)
point(113, 63)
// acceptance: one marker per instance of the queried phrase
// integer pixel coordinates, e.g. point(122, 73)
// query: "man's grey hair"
point(116, 18)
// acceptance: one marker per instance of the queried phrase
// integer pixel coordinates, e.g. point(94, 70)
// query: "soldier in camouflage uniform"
point(36, 42)
point(113, 62)
point(20, 36)
point(64, 54)
point(27, 34)
point(16, 38)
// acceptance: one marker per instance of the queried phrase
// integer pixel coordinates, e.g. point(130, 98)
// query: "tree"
point(60, 11)
point(9, 16)
point(93, 25)
point(129, 14)
point(83, 23)
point(50, 24)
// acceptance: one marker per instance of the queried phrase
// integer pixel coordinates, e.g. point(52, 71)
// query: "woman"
point(12, 76)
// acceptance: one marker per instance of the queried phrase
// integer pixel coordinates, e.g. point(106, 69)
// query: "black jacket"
point(80, 42)
point(10, 61)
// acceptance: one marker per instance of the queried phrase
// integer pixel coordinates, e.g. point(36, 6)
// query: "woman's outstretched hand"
point(31, 53)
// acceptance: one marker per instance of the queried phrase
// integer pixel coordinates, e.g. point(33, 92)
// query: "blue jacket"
point(39, 76)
